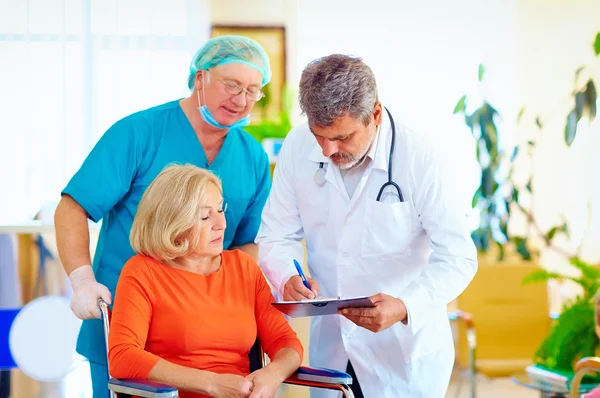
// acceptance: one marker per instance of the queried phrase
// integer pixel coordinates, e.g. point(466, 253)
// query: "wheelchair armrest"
point(142, 388)
point(319, 376)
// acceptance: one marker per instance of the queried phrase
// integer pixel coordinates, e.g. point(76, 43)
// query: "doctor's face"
point(347, 140)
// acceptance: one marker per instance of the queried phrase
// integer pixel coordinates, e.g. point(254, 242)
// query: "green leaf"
point(481, 239)
point(531, 143)
point(520, 115)
point(461, 105)
point(538, 123)
point(540, 275)
point(469, 121)
point(550, 234)
point(597, 44)
point(500, 251)
point(515, 153)
point(571, 128)
point(476, 198)
point(565, 229)
point(580, 103)
point(587, 269)
point(522, 249)
point(572, 337)
point(515, 195)
point(504, 226)
point(528, 186)
point(487, 182)
point(489, 132)
point(480, 72)
point(578, 71)
point(590, 98)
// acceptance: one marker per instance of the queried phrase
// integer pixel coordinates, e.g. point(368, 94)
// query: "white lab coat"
point(419, 250)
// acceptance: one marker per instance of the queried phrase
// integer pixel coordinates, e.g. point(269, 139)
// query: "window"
point(69, 70)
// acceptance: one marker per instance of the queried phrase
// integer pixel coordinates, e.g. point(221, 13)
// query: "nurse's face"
point(347, 140)
point(217, 90)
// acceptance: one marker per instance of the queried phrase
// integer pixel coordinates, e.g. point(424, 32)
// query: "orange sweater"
point(203, 322)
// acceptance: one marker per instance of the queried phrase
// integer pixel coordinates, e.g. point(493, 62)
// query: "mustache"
point(342, 156)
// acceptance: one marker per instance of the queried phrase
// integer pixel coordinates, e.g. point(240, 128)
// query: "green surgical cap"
point(227, 49)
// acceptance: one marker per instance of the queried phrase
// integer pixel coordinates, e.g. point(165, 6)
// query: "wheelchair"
point(309, 377)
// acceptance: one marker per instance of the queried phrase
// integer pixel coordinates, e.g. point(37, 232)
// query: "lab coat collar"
point(378, 151)
point(316, 155)
point(382, 144)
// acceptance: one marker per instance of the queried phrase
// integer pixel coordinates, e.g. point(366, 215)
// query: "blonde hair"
point(165, 224)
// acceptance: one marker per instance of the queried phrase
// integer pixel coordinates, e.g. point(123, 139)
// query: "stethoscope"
point(321, 171)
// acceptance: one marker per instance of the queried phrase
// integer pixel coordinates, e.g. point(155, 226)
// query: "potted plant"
point(573, 335)
point(511, 320)
point(498, 198)
point(272, 128)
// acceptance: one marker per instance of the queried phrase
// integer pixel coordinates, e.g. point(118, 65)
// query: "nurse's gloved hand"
point(86, 292)
point(294, 289)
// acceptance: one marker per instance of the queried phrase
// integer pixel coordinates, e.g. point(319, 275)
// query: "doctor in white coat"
point(410, 251)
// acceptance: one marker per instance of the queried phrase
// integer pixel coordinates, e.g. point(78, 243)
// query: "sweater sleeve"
point(274, 332)
point(130, 322)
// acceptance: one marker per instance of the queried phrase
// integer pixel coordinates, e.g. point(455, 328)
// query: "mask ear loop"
point(200, 104)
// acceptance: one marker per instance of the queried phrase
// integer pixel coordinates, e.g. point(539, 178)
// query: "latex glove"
point(86, 292)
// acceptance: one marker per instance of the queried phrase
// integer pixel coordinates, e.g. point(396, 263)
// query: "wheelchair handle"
point(105, 317)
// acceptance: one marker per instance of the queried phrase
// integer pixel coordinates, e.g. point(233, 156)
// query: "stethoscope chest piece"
point(320, 175)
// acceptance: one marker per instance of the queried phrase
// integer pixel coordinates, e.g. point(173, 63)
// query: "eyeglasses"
point(252, 93)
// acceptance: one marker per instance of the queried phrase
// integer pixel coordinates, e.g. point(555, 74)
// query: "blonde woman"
point(186, 313)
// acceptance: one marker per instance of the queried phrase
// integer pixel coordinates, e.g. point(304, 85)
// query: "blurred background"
point(507, 90)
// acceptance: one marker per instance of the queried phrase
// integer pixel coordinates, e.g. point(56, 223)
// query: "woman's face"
point(219, 82)
point(211, 225)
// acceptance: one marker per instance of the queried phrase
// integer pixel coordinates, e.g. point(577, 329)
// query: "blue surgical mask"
point(210, 119)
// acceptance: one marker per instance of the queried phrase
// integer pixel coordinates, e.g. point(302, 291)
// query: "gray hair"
point(336, 85)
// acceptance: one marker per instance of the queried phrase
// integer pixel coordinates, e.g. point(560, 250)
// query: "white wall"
point(425, 57)
point(555, 38)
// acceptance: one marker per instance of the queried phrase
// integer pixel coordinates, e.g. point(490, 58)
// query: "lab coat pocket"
point(386, 229)
point(427, 340)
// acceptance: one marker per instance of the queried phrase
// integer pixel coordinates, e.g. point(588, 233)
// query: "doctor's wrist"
point(403, 310)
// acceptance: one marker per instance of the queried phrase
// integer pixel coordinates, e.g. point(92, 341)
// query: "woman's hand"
point(230, 386)
point(266, 381)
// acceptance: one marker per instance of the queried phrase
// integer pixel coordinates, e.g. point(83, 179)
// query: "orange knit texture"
point(204, 322)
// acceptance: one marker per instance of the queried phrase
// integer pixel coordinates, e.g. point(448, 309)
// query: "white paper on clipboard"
point(321, 306)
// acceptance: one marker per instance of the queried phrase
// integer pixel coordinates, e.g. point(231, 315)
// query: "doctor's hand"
point(294, 289)
point(387, 311)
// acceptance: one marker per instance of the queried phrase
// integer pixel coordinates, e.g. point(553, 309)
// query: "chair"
point(304, 376)
point(512, 320)
point(583, 367)
point(465, 321)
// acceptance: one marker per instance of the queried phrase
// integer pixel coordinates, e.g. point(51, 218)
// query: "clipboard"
point(320, 306)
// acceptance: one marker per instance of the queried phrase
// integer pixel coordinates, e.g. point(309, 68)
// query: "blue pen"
point(299, 269)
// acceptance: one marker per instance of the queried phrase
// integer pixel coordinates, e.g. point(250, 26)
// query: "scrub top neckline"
point(190, 131)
